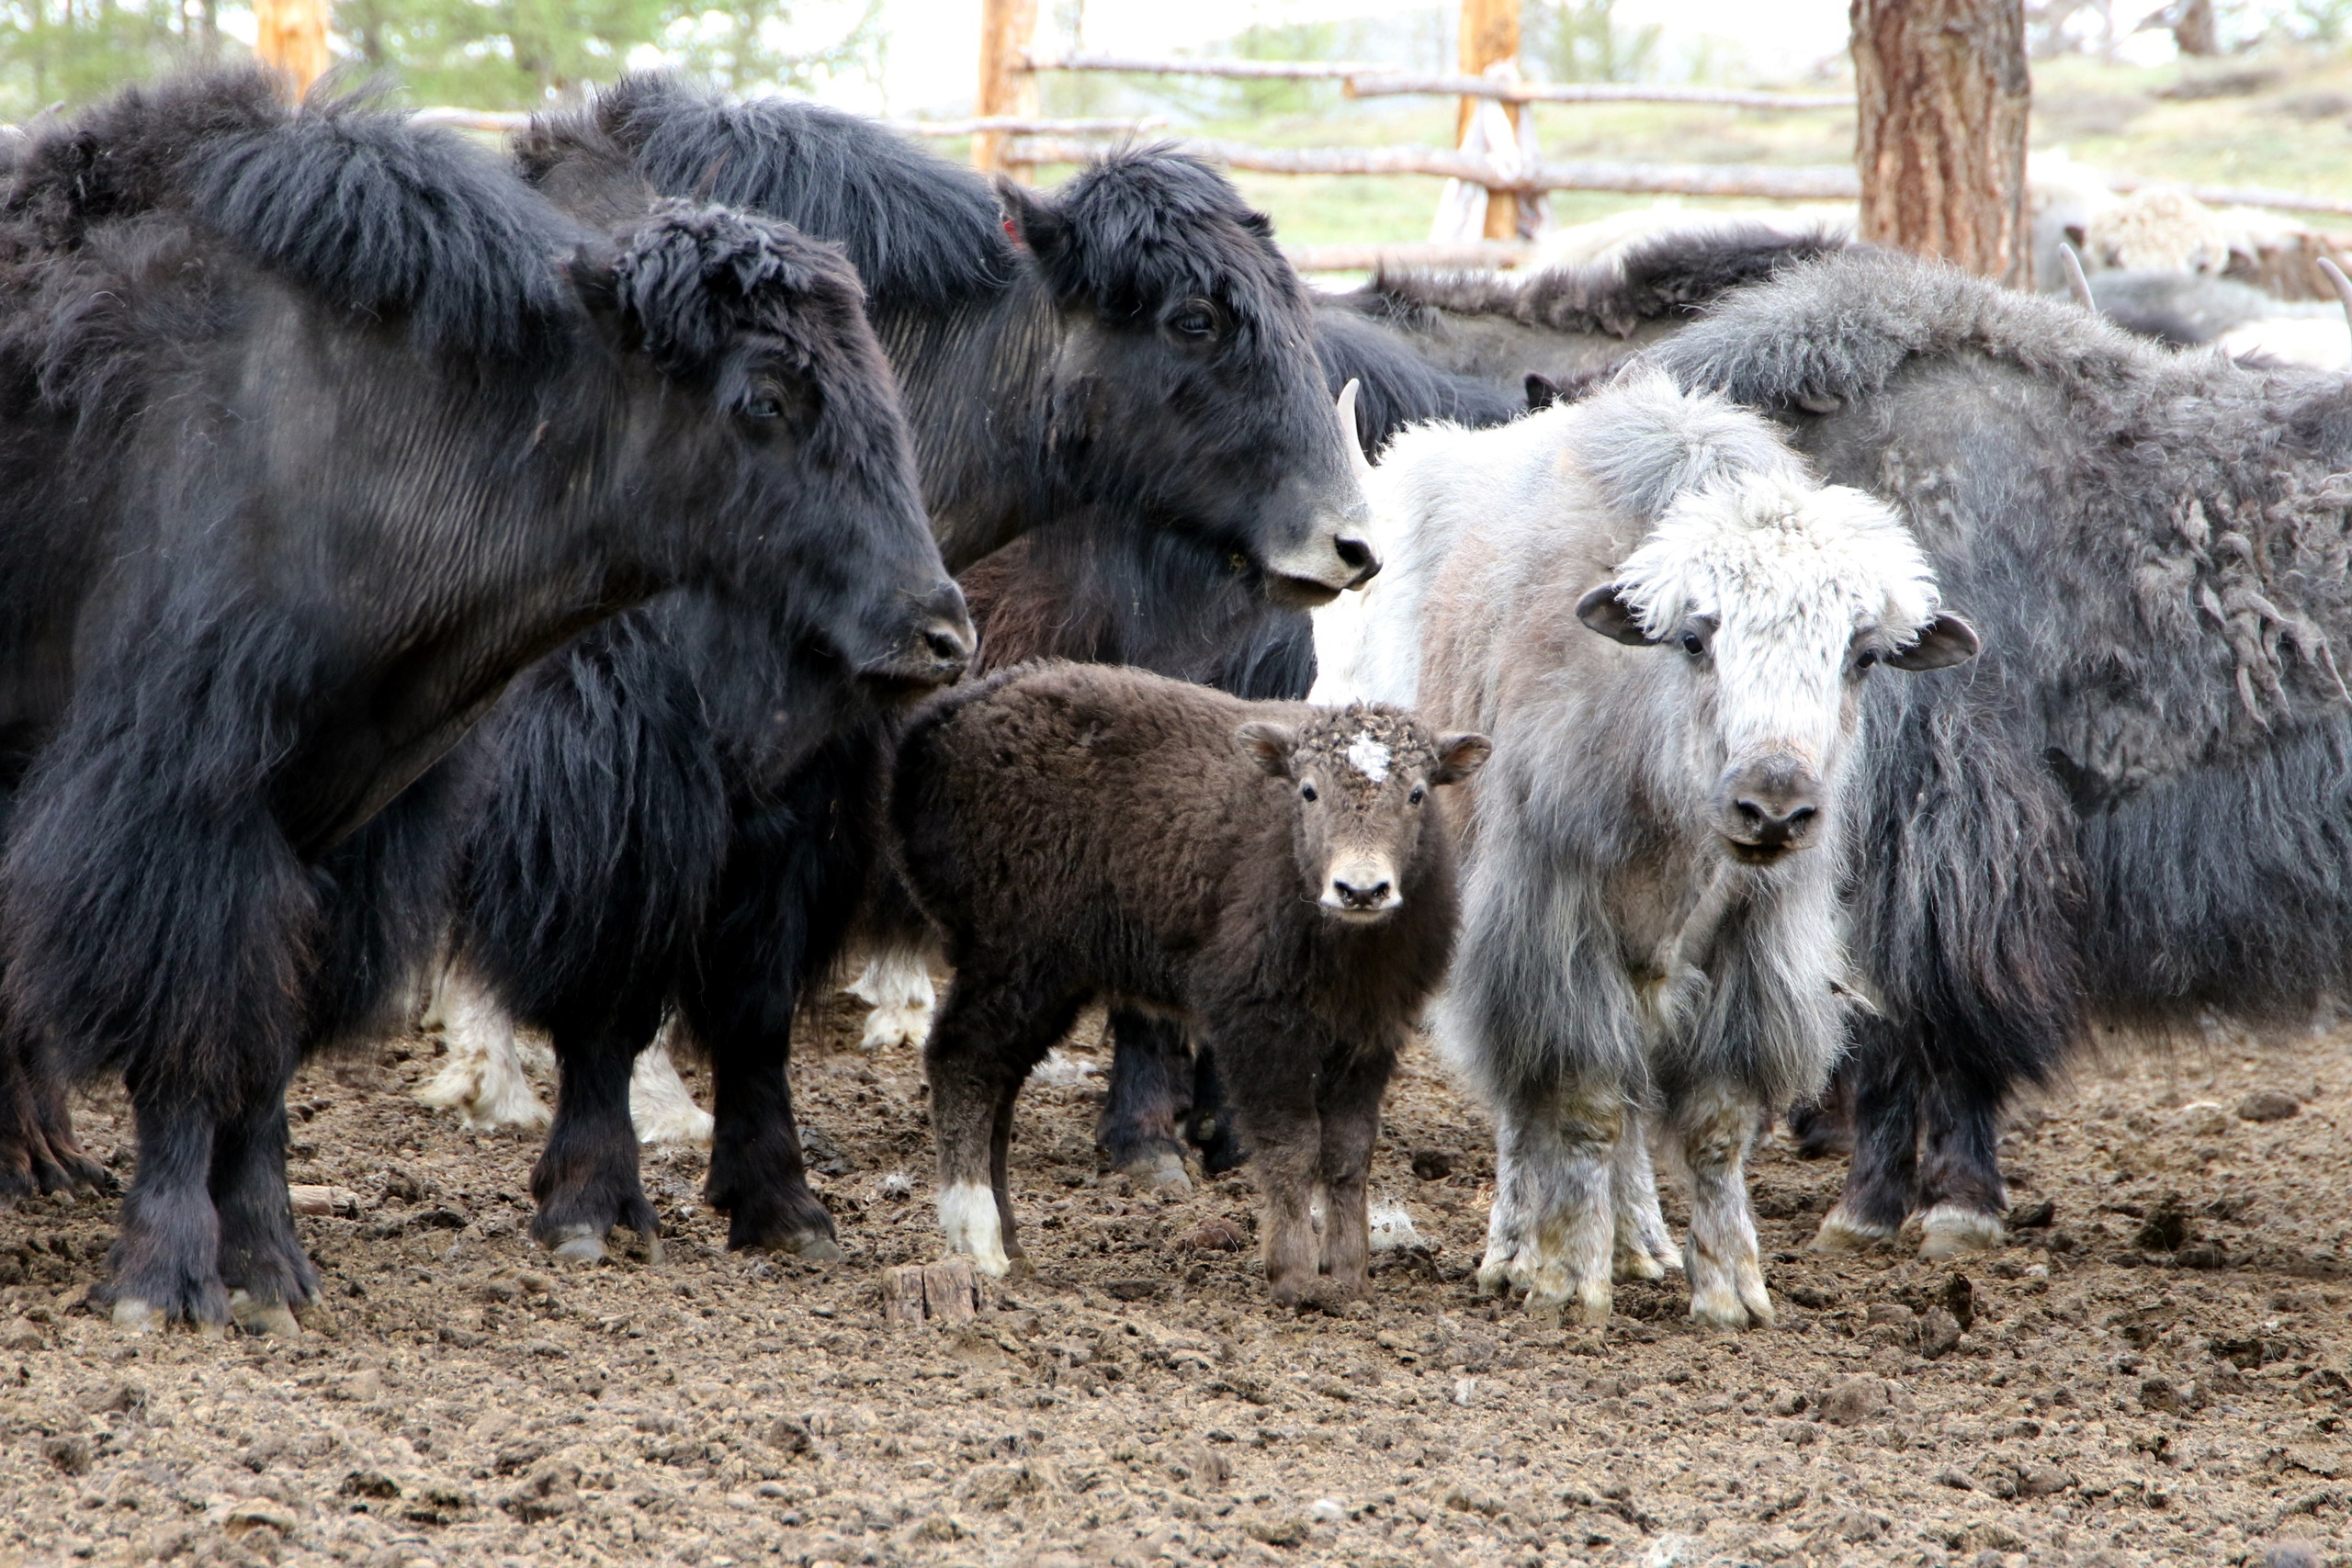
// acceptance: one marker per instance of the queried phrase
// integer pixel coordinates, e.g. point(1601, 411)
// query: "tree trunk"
point(1490, 36)
point(1943, 91)
point(1008, 30)
point(2195, 29)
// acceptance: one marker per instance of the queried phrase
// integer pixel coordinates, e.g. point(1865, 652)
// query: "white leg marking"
point(481, 1079)
point(1726, 1274)
point(968, 1213)
point(896, 983)
point(659, 1105)
point(1552, 1228)
point(1841, 1232)
point(1646, 1248)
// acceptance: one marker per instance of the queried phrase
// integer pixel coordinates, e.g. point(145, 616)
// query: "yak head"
point(1360, 779)
point(1186, 387)
point(1775, 598)
point(776, 414)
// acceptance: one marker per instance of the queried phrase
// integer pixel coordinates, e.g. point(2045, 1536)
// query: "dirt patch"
point(2155, 1372)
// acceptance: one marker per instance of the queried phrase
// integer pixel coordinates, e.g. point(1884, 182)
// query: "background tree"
point(1943, 89)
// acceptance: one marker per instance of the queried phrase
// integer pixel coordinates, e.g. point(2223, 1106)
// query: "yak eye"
point(1196, 319)
point(1415, 798)
point(1306, 792)
point(763, 404)
point(1865, 658)
point(1692, 644)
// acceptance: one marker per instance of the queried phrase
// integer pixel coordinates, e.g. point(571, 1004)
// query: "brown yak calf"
point(1272, 874)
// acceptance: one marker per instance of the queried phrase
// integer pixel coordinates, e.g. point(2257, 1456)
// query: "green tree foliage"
point(478, 53)
point(1582, 40)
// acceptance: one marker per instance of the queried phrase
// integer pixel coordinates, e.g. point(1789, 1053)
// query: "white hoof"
point(897, 986)
point(1951, 1231)
point(1840, 1233)
point(261, 1317)
point(660, 1107)
point(578, 1244)
point(968, 1213)
point(133, 1315)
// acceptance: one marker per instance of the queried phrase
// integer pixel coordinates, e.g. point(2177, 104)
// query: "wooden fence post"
point(1007, 85)
point(293, 36)
point(1489, 36)
point(1942, 91)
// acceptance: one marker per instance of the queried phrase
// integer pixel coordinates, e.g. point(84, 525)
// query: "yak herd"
point(610, 584)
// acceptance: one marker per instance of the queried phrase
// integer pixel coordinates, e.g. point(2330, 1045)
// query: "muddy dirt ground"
point(2153, 1372)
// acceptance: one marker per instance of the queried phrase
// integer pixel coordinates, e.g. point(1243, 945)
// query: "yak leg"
point(1151, 1073)
point(263, 1264)
point(37, 1150)
point(1883, 1178)
point(1825, 1126)
point(481, 1078)
point(1645, 1249)
point(1960, 1189)
point(1209, 1129)
point(988, 1035)
point(759, 1174)
point(166, 1264)
point(895, 983)
point(660, 1107)
point(1716, 1126)
point(586, 1179)
point(1553, 1224)
point(1349, 1110)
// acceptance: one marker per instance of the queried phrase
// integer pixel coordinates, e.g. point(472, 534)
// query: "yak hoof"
point(1952, 1231)
point(578, 1243)
point(258, 1317)
point(1723, 1309)
point(1162, 1173)
point(133, 1315)
point(815, 1250)
point(1635, 1263)
point(1842, 1235)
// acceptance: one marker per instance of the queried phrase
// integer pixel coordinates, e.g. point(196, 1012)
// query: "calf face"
point(1775, 599)
point(1362, 777)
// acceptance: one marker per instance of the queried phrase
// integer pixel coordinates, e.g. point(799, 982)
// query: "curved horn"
point(1362, 464)
point(2077, 283)
point(2341, 283)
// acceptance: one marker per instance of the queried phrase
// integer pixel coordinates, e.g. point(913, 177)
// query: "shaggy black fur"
point(313, 433)
point(1078, 831)
point(1054, 382)
point(2134, 805)
point(1570, 323)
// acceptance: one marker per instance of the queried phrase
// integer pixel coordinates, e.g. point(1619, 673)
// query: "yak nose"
point(1360, 891)
point(935, 646)
point(1357, 555)
point(1773, 807)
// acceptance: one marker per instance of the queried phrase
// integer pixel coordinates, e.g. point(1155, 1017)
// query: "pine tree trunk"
point(1943, 90)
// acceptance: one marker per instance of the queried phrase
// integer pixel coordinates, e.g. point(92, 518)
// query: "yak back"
point(2155, 548)
point(1103, 826)
point(379, 219)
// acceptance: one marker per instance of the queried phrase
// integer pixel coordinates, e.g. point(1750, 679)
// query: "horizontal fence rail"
point(1366, 80)
point(507, 122)
point(1464, 255)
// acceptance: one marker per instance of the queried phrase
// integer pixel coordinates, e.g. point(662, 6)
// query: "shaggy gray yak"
point(2134, 808)
point(1651, 861)
point(1278, 877)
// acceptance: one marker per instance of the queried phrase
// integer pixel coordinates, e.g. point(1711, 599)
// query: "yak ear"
point(1459, 756)
point(1032, 221)
point(1542, 391)
point(1269, 745)
point(1949, 640)
point(1607, 613)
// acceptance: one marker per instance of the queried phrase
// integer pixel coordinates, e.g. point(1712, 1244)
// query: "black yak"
point(1277, 877)
point(316, 429)
point(1130, 349)
point(2132, 807)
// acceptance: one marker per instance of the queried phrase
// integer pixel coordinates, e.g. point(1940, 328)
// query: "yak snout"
point(1362, 886)
point(1770, 806)
point(1318, 541)
point(935, 644)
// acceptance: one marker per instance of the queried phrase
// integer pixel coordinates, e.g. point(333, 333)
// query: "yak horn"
point(1362, 464)
point(2341, 283)
point(2077, 283)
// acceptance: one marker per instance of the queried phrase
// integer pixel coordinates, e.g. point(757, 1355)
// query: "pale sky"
point(934, 44)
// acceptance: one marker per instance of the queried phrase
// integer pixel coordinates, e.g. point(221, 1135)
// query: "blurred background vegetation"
point(2271, 104)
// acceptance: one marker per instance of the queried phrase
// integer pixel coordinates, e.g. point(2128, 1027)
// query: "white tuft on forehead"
point(1369, 755)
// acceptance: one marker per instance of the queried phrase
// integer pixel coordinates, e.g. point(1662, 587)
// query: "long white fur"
point(895, 983)
point(1693, 507)
point(968, 1213)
